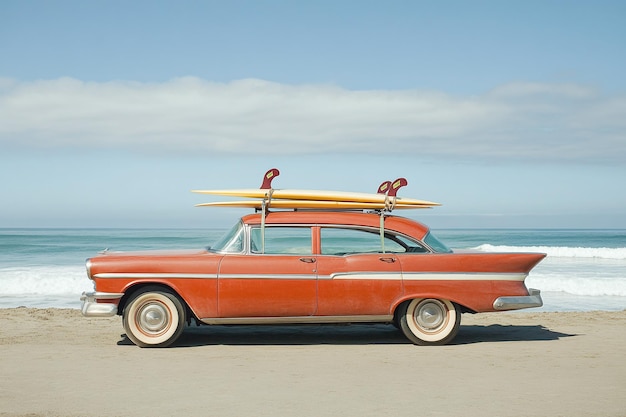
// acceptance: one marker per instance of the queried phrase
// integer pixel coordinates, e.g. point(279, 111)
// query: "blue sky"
point(511, 114)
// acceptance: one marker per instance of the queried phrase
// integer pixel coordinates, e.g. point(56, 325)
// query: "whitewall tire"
point(154, 318)
point(429, 321)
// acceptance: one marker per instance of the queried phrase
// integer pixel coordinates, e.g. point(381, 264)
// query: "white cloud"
point(516, 121)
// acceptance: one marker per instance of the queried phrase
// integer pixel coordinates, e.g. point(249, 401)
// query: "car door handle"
point(388, 260)
point(308, 260)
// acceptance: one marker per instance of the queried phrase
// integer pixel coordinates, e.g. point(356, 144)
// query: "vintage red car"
point(309, 267)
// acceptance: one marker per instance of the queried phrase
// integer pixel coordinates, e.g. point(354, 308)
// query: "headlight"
point(88, 266)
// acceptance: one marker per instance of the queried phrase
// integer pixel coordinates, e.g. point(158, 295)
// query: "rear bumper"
point(519, 302)
point(91, 308)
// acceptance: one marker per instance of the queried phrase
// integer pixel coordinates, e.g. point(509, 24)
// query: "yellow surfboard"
point(316, 195)
point(312, 204)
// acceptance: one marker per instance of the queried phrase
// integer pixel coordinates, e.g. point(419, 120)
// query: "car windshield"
point(435, 244)
point(231, 242)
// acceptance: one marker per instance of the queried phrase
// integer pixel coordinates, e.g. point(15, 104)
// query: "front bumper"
point(91, 308)
point(519, 302)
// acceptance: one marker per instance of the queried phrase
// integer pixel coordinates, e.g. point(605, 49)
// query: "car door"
point(276, 278)
point(358, 275)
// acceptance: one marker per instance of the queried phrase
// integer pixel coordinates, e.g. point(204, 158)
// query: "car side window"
point(281, 240)
point(343, 241)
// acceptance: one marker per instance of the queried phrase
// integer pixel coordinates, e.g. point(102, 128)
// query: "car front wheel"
point(429, 321)
point(154, 318)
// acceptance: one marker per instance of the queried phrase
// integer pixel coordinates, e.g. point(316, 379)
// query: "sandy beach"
point(54, 362)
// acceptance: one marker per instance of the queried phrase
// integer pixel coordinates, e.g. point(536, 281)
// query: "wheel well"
point(142, 287)
point(396, 318)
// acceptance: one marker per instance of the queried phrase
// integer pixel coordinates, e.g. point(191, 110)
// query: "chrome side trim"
point(428, 276)
point(310, 276)
point(464, 276)
point(383, 276)
point(298, 320)
point(407, 276)
point(151, 275)
point(519, 302)
point(91, 308)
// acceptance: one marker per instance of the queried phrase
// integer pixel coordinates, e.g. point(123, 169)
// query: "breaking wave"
point(560, 251)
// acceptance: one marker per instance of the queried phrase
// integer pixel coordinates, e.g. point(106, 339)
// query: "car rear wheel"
point(429, 321)
point(154, 318)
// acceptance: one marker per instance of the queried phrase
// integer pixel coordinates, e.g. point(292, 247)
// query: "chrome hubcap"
point(153, 318)
point(430, 314)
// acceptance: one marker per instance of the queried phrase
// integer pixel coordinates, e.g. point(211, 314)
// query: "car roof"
point(347, 218)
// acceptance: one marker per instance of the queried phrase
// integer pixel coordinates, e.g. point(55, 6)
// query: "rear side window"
point(283, 240)
point(436, 244)
point(338, 241)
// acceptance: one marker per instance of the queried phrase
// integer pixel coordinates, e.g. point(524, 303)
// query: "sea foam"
point(44, 280)
point(560, 251)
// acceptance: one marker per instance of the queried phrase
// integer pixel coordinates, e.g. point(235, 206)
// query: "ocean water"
point(585, 269)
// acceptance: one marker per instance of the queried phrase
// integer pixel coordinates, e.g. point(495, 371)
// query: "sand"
point(54, 362)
